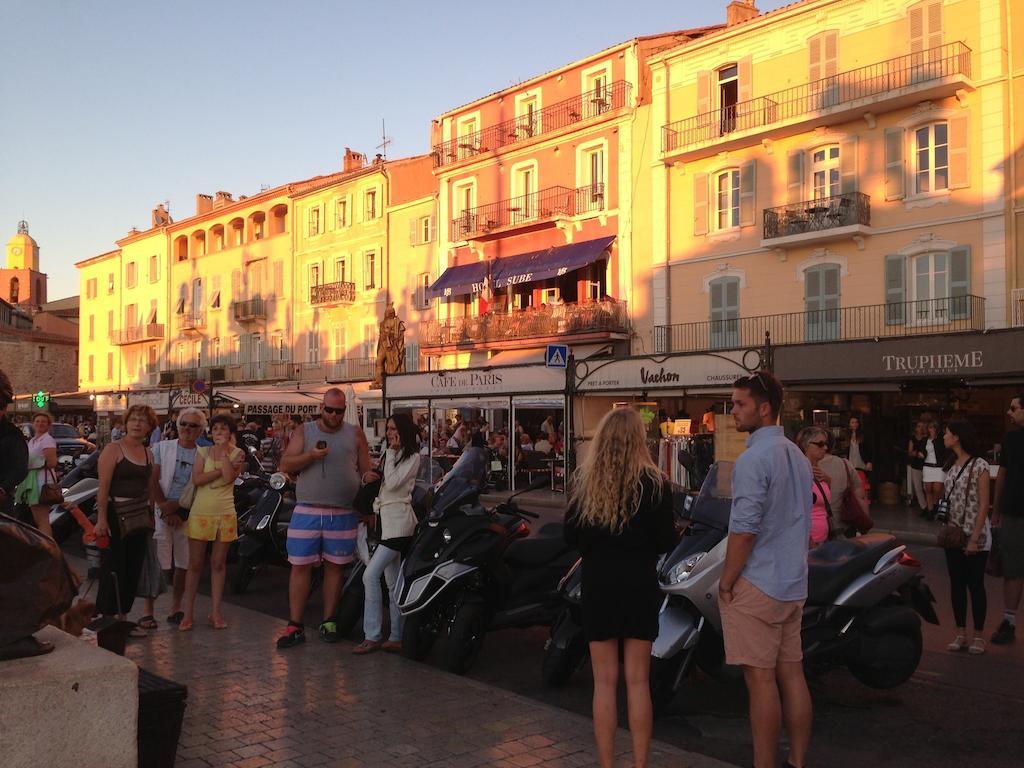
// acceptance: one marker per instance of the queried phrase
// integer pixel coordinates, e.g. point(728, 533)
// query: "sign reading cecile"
point(643, 374)
point(484, 382)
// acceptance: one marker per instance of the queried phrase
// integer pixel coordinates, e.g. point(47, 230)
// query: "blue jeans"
point(384, 561)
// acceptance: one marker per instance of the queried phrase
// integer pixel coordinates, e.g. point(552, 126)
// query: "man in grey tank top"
point(332, 460)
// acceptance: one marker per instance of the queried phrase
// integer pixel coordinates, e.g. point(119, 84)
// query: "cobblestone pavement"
point(250, 705)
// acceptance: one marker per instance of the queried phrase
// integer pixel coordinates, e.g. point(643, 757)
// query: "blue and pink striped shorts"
point(319, 532)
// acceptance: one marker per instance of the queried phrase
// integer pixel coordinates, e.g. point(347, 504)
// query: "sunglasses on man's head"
point(328, 409)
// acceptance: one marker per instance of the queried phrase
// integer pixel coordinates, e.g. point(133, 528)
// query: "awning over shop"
point(271, 402)
point(524, 268)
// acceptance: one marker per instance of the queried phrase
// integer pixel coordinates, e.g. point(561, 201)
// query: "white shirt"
point(36, 446)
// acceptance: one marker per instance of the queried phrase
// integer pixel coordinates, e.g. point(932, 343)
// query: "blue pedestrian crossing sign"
point(557, 356)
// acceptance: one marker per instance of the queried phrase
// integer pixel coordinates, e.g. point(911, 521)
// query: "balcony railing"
point(820, 215)
point(345, 369)
point(191, 321)
point(559, 319)
point(332, 293)
point(547, 120)
point(525, 210)
point(251, 309)
point(259, 370)
point(138, 333)
point(873, 80)
point(895, 319)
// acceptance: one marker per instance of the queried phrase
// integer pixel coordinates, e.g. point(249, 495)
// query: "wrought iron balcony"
point(258, 370)
point(596, 317)
point(824, 216)
point(895, 319)
point(192, 321)
point(251, 309)
point(876, 86)
point(527, 210)
point(345, 369)
point(332, 293)
point(525, 127)
point(137, 334)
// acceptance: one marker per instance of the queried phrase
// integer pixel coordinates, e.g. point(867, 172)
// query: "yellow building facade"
point(833, 170)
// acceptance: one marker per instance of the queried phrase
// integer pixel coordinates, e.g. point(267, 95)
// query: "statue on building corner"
point(390, 346)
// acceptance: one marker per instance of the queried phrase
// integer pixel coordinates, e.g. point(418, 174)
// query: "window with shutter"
point(748, 189)
point(700, 204)
point(931, 158)
point(727, 199)
point(825, 172)
point(960, 283)
point(895, 289)
point(725, 312)
point(895, 174)
point(821, 302)
point(930, 288)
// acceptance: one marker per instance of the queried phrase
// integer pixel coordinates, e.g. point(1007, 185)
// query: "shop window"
point(725, 312)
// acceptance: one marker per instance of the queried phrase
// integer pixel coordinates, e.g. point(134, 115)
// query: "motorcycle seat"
point(535, 550)
point(834, 564)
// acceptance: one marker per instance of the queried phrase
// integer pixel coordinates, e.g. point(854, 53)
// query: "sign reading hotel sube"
point(961, 355)
point(643, 374)
point(482, 382)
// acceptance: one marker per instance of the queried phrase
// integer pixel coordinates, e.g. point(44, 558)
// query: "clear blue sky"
point(110, 107)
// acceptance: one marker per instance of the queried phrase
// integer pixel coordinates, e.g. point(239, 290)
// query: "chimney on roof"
point(353, 160)
point(739, 11)
point(204, 204)
point(221, 199)
point(161, 217)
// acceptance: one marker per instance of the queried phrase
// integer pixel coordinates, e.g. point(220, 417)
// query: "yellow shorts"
point(213, 527)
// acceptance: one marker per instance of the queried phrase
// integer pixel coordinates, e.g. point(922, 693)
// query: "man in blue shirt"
point(764, 580)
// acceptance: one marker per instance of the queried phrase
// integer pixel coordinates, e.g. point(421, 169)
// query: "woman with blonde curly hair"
point(620, 517)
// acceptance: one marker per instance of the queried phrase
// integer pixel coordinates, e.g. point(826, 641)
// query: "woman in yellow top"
point(212, 517)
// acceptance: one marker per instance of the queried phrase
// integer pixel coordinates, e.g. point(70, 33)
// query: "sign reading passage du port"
point(557, 356)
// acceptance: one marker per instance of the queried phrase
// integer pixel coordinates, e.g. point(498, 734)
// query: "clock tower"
point(21, 282)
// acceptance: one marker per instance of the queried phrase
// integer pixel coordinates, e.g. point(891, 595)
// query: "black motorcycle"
point(472, 570)
point(263, 532)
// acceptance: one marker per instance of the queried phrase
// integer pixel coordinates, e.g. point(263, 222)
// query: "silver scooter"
point(864, 598)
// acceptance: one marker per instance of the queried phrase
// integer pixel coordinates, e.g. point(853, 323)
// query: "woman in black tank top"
point(125, 473)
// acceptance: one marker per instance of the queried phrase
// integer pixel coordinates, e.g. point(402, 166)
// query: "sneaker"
point(1005, 634)
point(292, 636)
point(958, 644)
point(977, 647)
point(329, 631)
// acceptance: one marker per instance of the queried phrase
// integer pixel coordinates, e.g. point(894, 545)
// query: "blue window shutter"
point(960, 283)
point(895, 289)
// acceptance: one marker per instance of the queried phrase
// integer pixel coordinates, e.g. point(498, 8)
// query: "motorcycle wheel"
point(245, 569)
point(663, 676)
point(560, 663)
point(350, 609)
point(886, 661)
point(418, 636)
point(466, 637)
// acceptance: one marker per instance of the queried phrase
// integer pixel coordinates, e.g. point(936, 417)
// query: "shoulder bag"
point(855, 513)
point(50, 493)
point(134, 516)
point(951, 535)
point(363, 502)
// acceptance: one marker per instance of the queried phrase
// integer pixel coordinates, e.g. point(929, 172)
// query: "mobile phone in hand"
point(321, 444)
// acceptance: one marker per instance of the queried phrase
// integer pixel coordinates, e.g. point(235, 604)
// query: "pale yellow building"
point(833, 170)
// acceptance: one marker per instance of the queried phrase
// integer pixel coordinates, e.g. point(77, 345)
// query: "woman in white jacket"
point(397, 524)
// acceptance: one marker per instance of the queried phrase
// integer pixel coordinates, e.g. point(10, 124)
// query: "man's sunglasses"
point(748, 382)
point(189, 425)
point(339, 411)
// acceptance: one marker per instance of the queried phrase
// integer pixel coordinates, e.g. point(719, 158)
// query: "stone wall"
point(19, 359)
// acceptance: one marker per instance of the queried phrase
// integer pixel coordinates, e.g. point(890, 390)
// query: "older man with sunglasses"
point(332, 460)
point(173, 471)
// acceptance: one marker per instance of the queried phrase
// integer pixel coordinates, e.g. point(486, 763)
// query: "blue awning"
point(523, 268)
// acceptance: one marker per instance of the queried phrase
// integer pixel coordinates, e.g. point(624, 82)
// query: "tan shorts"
point(759, 630)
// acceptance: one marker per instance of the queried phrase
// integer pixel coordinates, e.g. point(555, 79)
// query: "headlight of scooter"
point(682, 570)
point(278, 480)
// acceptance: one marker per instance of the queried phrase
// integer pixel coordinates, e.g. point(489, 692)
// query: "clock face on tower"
point(16, 250)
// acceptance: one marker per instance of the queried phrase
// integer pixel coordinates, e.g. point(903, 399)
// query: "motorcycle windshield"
point(714, 502)
point(456, 492)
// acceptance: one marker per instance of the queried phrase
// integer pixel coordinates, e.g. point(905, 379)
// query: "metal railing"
point(606, 316)
point(190, 321)
point(551, 118)
point(819, 215)
point(876, 79)
point(1017, 307)
point(542, 205)
point(332, 293)
point(345, 369)
point(250, 309)
point(258, 370)
point(895, 319)
point(137, 333)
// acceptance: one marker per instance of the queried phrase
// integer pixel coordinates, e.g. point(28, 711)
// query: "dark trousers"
point(967, 574)
point(124, 560)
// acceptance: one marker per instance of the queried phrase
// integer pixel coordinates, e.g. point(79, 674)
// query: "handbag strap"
point(946, 496)
point(824, 497)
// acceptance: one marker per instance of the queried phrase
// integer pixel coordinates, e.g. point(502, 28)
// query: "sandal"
point(367, 646)
point(958, 644)
point(137, 631)
point(176, 617)
point(185, 625)
point(148, 622)
point(977, 647)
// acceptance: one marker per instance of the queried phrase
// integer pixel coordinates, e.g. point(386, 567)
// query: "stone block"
point(72, 708)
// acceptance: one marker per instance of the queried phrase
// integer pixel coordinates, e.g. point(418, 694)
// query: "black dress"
point(621, 598)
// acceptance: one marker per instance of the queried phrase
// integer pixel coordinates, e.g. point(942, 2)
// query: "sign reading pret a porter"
point(967, 355)
point(277, 409)
point(665, 372)
point(476, 381)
